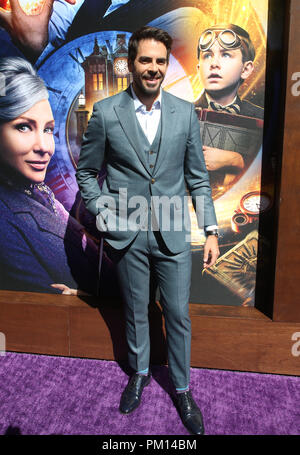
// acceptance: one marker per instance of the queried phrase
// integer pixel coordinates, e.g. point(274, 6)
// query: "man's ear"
point(248, 68)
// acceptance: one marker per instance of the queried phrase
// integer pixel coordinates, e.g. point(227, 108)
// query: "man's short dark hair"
point(247, 48)
point(147, 32)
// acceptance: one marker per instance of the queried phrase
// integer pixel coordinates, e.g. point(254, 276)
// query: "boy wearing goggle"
point(225, 55)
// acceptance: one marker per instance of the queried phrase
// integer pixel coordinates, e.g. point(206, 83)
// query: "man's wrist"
point(211, 230)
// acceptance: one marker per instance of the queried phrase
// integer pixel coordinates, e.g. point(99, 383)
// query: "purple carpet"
point(43, 395)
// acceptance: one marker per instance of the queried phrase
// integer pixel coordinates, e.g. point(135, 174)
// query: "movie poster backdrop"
point(85, 61)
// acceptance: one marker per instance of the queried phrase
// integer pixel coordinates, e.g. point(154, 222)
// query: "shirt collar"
point(139, 106)
point(209, 100)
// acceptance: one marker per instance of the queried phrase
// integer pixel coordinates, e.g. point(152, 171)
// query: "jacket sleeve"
point(92, 156)
point(196, 175)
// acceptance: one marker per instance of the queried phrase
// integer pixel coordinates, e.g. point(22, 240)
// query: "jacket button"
point(152, 180)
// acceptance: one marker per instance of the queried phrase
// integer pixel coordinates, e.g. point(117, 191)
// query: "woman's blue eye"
point(49, 130)
point(23, 128)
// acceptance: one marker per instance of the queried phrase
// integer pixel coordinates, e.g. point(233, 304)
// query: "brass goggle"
point(227, 39)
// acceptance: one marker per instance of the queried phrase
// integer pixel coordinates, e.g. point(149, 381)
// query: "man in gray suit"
point(150, 143)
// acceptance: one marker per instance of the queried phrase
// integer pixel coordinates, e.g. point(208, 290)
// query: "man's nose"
point(153, 67)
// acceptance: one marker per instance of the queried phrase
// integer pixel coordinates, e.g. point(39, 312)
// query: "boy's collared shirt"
point(231, 108)
point(247, 108)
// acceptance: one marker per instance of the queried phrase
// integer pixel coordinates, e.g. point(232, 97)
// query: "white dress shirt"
point(149, 120)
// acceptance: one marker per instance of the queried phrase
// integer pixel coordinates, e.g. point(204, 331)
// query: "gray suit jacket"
point(112, 138)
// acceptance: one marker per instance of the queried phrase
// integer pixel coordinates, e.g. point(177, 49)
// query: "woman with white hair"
point(42, 248)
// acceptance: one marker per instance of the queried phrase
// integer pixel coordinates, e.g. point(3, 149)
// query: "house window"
point(122, 83)
point(97, 81)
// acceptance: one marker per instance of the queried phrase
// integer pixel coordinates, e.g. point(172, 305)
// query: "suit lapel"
point(167, 126)
point(127, 118)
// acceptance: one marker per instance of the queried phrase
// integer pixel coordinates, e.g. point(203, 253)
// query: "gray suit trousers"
point(173, 276)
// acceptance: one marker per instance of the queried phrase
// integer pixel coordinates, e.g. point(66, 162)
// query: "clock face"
point(121, 67)
point(255, 202)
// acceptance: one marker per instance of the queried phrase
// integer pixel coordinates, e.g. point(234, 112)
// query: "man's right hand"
point(29, 33)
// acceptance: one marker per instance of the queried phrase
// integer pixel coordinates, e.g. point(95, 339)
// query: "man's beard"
point(149, 91)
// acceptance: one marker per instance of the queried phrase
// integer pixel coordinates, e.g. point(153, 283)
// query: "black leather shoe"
point(190, 413)
point(132, 393)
